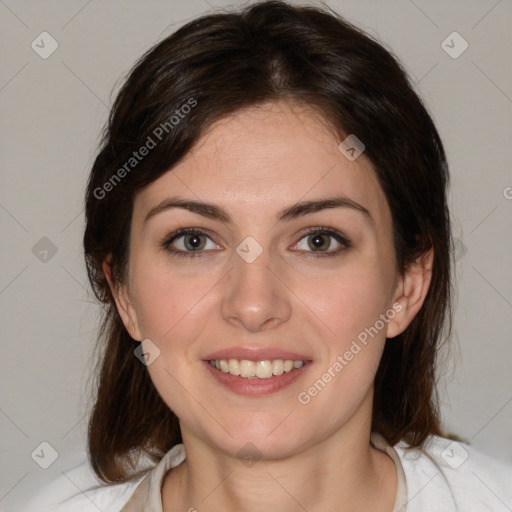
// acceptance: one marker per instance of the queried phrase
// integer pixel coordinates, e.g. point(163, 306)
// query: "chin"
point(264, 439)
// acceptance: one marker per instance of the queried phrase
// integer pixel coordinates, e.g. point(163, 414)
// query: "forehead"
point(266, 157)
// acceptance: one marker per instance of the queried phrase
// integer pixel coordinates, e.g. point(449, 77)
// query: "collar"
point(147, 496)
point(378, 442)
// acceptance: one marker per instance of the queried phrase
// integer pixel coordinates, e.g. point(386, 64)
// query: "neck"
point(341, 473)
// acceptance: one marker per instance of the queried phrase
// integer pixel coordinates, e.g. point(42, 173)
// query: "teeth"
point(247, 368)
point(278, 367)
point(234, 367)
point(288, 365)
point(256, 369)
point(263, 369)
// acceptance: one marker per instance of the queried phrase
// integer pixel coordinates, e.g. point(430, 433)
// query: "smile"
point(264, 369)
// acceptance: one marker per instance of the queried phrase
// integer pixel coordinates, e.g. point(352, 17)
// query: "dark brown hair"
point(218, 64)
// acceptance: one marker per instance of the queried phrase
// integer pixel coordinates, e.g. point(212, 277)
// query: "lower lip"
point(256, 386)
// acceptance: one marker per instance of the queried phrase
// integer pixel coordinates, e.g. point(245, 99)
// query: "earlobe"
point(123, 302)
point(410, 292)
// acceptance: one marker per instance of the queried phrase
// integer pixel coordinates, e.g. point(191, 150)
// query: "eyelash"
point(345, 242)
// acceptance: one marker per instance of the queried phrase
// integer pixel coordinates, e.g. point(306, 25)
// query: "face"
point(258, 278)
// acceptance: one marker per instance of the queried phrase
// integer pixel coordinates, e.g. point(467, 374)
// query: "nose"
point(256, 297)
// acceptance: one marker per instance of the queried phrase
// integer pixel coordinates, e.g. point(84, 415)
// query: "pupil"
point(194, 241)
point(317, 241)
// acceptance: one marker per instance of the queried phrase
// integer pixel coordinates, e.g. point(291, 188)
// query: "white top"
point(443, 476)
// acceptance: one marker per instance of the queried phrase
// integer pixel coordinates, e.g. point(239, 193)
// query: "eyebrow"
point(294, 211)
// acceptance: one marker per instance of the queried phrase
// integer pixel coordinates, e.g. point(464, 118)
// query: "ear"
point(123, 302)
point(410, 292)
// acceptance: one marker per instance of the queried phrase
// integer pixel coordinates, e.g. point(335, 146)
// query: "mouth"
point(262, 369)
point(256, 372)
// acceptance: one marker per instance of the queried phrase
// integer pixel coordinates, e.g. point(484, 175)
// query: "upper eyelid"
point(179, 233)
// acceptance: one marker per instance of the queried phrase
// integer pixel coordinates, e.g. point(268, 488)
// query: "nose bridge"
point(252, 263)
point(254, 297)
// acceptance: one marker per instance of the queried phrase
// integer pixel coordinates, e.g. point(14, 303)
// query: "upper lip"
point(256, 354)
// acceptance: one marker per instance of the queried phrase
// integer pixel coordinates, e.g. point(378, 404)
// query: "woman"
point(267, 228)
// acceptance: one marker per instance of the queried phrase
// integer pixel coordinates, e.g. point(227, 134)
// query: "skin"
point(316, 456)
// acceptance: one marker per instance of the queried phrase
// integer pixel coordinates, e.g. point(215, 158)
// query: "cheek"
point(354, 305)
point(172, 308)
point(351, 305)
point(350, 300)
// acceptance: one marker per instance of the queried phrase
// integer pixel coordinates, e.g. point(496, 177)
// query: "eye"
point(188, 242)
point(193, 242)
point(318, 241)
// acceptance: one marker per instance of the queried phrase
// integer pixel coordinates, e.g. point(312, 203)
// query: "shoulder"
point(77, 488)
point(454, 476)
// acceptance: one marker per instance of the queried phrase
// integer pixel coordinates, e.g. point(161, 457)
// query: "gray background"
point(52, 111)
